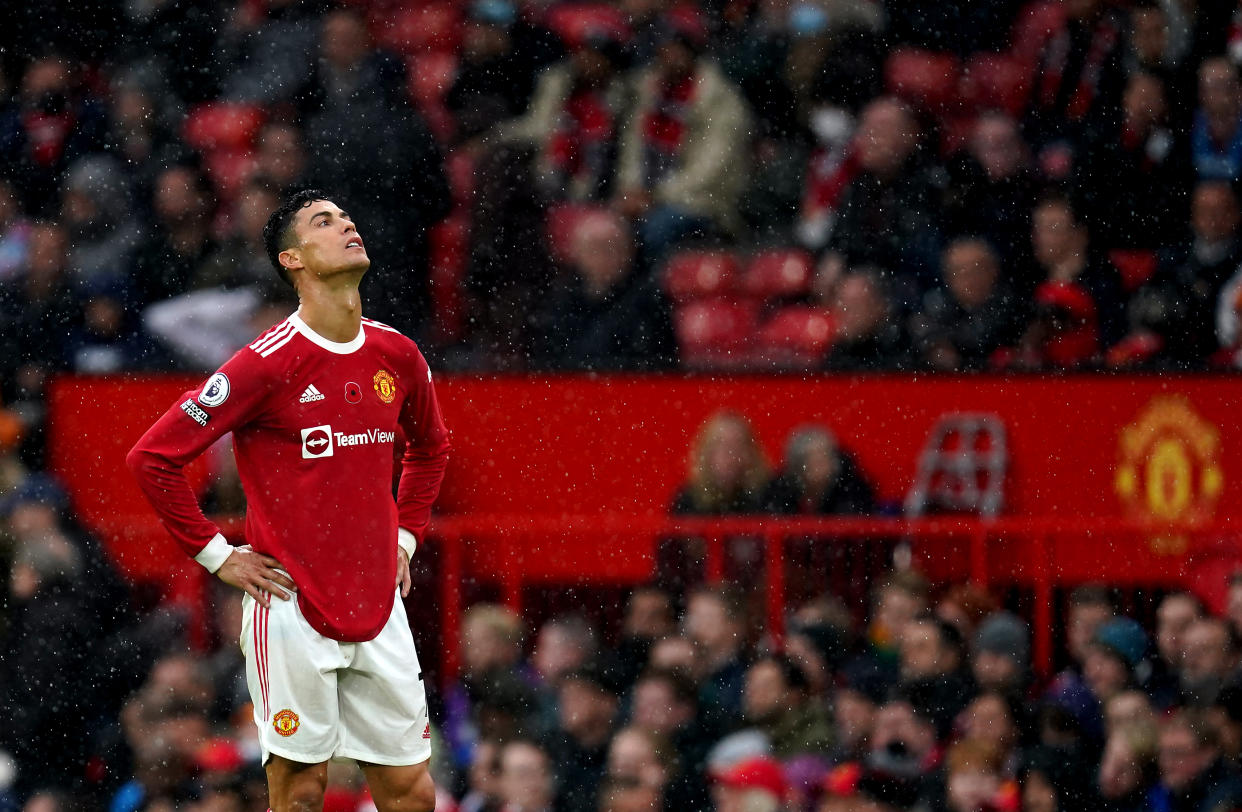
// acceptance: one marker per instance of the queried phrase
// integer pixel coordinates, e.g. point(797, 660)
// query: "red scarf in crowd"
point(587, 126)
point(46, 134)
point(1056, 53)
point(664, 126)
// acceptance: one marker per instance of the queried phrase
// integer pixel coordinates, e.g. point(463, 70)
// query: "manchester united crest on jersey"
point(285, 722)
point(385, 386)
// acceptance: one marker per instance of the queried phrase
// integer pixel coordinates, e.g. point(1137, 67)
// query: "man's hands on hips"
point(403, 572)
point(258, 575)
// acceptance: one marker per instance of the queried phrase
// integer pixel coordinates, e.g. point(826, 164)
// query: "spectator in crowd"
point(966, 605)
point(972, 314)
point(14, 233)
point(819, 477)
point(1146, 164)
point(53, 124)
point(868, 335)
point(483, 793)
point(975, 778)
point(715, 621)
point(1175, 614)
point(368, 142)
point(904, 748)
point(501, 54)
point(96, 211)
point(142, 120)
point(648, 617)
point(574, 120)
point(1117, 650)
point(607, 315)
point(895, 602)
point(1233, 603)
point(265, 45)
point(777, 701)
point(754, 784)
point(998, 721)
point(563, 645)
point(1090, 607)
point(992, 188)
point(1216, 136)
point(108, 338)
point(728, 472)
point(683, 150)
point(889, 215)
point(1063, 332)
point(1064, 253)
point(1077, 86)
point(1193, 775)
point(181, 252)
point(527, 781)
point(1209, 661)
point(588, 705)
point(1177, 304)
point(1127, 772)
point(639, 756)
point(1001, 655)
point(932, 672)
point(280, 160)
point(665, 704)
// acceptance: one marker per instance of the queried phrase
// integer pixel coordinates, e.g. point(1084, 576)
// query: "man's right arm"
point(228, 399)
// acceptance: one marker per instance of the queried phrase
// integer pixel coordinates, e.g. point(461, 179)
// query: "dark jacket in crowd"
point(630, 328)
point(849, 493)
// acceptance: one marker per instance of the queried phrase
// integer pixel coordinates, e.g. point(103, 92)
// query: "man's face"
point(1218, 88)
point(1083, 621)
point(1174, 616)
point(525, 781)
point(1054, 235)
point(970, 273)
point(765, 692)
point(923, 653)
point(1206, 651)
point(887, 135)
point(1214, 212)
point(327, 242)
point(1181, 758)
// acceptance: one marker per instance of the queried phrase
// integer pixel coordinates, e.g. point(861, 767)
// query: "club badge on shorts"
point(385, 386)
point(285, 722)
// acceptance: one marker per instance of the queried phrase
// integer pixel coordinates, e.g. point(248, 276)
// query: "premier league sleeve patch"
point(215, 391)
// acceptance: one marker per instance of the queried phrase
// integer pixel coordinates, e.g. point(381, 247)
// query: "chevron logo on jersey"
point(310, 395)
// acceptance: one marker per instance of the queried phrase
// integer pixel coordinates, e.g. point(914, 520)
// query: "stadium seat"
point(575, 22)
point(1135, 267)
point(417, 29)
point(995, 82)
point(562, 220)
point(699, 275)
point(459, 166)
point(223, 125)
point(778, 274)
point(797, 337)
point(925, 79)
point(715, 333)
point(450, 246)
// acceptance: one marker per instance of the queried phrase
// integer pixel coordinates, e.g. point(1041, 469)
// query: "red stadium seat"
point(798, 336)
point(925, 79)
point(778, 274)
point(416, 29)
point(223, 125)
point(459, 166)
point(700, 275)
point(1135, 267)
point(431, 76)
point(575, 22)
point(715, 333)
point(995, 82)
point(562, 220)
point(450, 246)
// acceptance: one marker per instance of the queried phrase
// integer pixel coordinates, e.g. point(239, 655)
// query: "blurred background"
point(842, 391)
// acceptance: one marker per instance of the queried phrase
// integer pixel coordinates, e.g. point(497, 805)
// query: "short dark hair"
point(278, 232)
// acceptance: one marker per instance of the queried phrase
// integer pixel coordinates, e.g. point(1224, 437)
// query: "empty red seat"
point(925, 79)
point(562, 221)
point(416, 29)
point(1135, 267)
point(715, 333)
point(450, 246)
point(797, 336)
point(779, 274)
point(995, 82)
point(574, 22)
point(699, 274)
point(223, 125)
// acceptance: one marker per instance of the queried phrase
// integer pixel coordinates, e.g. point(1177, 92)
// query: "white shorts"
point(317, 699)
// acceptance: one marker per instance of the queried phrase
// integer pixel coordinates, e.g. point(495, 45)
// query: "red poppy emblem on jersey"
point(385, 386)
point(285, 722)
point(353, 393)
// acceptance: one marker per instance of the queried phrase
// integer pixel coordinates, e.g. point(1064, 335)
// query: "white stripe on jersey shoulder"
point(271, 348)
point(272, 335)
point(380, 325)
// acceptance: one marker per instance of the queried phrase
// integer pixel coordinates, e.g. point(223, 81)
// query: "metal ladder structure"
point(962, 467)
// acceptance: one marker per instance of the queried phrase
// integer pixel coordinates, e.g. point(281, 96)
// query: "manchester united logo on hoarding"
point(385, 386)
point(285, 722)
point(1170, 468)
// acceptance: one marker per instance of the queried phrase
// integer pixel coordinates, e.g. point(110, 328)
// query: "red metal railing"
point(1040, 553)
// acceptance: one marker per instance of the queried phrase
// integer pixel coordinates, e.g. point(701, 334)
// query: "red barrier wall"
point(1146, 447)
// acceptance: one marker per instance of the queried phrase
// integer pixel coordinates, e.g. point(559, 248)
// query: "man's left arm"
point(424, 460)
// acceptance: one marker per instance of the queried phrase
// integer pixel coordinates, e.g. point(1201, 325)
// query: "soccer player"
point(315, 405)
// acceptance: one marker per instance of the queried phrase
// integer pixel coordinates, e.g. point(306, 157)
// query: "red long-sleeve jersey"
point(314, 423)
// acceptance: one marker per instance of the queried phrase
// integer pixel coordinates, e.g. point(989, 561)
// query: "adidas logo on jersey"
point(310, 395)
